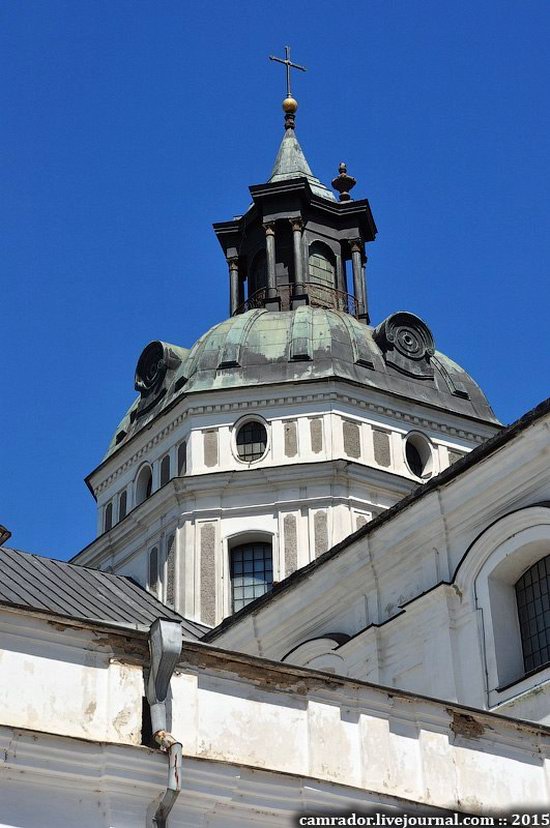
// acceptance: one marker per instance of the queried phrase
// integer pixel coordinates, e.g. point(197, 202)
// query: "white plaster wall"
point(348, 739)
point(67, 681)
point(249, 497)
point(359, 735)
point(383, 589)
point(51, 782)
point(192, 417)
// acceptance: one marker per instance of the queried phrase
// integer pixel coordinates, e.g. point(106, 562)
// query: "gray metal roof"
point(45, 585)
point(291, 163)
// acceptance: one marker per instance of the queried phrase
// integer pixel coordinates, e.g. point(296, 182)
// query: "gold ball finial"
point(290, 105)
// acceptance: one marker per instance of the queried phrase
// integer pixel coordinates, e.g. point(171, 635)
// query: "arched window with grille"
point(165, 470)
point(251, 566)
point(533, 599)
point(321, 265)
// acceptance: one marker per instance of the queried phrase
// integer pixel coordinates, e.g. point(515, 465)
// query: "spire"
point(291, 246)
point(291, 161)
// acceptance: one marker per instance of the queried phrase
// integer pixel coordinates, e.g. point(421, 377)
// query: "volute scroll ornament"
point(407, 344)
point(154, 363)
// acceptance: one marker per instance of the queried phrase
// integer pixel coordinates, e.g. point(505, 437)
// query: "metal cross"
point(289, 65)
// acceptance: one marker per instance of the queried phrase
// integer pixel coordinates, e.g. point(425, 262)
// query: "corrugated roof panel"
point(78, 592)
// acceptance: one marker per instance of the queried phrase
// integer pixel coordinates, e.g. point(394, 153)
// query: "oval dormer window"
point(251, 441)
point(419, 455)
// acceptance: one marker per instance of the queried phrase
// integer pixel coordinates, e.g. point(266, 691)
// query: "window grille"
point(251, 441)
point(533, 599)
point(251, 573)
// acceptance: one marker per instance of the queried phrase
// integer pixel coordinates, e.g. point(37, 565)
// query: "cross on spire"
point(289, 65)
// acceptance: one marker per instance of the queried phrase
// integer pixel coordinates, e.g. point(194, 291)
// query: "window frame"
point(122, 494)
point(323, 250)
point(108, 516)
point(243, 421)
point(248, 533)
point(491, 567)
point(154, 588)
point(181, 468)
point(249, 546)
point(137, 483)
point(165, 462)
point(528, 589)
point(414, 438)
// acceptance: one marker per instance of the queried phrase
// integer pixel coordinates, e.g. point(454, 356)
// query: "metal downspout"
point(165, 641)
point(167, 741)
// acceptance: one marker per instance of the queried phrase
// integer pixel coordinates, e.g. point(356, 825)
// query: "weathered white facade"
point(332, 463)
point(351, 417)
point(261, 741)
point(425, 600)
point(356, 557)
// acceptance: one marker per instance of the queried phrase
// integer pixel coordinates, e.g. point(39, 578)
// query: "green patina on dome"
point(263, 347)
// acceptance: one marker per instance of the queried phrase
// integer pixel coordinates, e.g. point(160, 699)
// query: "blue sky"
point(129, 127)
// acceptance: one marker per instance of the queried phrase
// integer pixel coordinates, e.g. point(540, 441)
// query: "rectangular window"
point(251, 573)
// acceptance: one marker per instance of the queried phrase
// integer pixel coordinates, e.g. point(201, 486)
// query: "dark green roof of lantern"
point(291, 163)
point(264, 347)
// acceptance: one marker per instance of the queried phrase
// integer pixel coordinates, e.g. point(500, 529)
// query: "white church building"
point(321, 578)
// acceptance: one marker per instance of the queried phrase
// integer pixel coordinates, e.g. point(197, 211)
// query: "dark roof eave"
point(73, 620)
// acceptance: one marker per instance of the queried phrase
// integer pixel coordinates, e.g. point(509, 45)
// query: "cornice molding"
point(248, 405)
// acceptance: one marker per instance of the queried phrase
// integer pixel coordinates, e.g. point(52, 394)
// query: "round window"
point(418, 454)
point(251, 441)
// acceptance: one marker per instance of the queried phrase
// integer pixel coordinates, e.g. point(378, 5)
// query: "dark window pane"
point(108, 517)
point(182, 459)
point(251, 441)
point(165, 471)
point(413, 459)
point(532, 593)
point(122, 505)
point(153, 568)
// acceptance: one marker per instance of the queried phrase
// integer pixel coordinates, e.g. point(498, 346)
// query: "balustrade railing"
point(319, 296)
